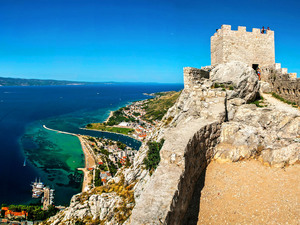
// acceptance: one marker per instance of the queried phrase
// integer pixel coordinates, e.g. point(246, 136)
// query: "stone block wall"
point(248, 47)
point(198, 154)
point(192, 75)
point(288, 89)
point(282, 83)
point(188, 147)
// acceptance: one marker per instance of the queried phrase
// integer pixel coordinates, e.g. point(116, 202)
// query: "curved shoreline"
point(89, 159)
point(110, 115)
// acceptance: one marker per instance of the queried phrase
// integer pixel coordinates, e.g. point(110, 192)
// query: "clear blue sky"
point(131, 40)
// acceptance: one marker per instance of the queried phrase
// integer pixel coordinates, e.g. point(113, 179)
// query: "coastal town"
point(138, 119)
point(103, 157)
point(141, 126)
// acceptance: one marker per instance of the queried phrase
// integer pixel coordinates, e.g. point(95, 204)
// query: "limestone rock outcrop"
point(267, 134)
point(265, 87)
point(241, 76)
point(107, 207)
point(206, 123)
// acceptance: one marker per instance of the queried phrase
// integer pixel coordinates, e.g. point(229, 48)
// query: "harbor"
point(39, 190)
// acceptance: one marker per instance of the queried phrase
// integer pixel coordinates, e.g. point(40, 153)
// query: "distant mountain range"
point(4, 81)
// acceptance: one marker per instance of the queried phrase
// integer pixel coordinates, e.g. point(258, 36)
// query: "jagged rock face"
point(265, 87)
point(189, 138)
point(241, 76)
point(101, 208)
point(265, 133)
point(94, 209)
point(205, 123)
point(193, 132)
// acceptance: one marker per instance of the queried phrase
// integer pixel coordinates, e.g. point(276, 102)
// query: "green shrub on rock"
point(153, 158)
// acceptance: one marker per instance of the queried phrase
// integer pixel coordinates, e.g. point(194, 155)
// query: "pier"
point(58, 131)
point(39, 189)
point(48, 198)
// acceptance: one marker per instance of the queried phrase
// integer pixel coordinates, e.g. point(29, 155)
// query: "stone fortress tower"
point(257, 50)
point(253, 48)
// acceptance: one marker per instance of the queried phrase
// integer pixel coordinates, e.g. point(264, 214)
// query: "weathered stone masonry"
point(187, 149)
point(254, 48)
point(284, 86)
point(249, 47)
point(288, 89)
point(198, 154)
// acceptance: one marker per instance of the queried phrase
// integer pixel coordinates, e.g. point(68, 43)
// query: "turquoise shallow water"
point(49, 155)
point(56, 156)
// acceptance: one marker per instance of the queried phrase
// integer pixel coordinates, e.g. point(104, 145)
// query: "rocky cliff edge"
point(211, 120)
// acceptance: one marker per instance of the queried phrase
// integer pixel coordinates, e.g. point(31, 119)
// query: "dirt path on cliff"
point(279, 105)
point(247, 192)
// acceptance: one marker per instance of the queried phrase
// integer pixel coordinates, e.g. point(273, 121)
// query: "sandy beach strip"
point(110, 115)
point(90, 161)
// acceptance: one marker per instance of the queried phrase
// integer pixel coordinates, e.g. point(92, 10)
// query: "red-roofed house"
point(4, 208)
point(16, 215)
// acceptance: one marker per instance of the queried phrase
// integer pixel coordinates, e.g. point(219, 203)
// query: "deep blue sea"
point(48, 155)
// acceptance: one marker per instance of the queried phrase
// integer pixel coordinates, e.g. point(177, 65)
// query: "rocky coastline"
point(212, 121)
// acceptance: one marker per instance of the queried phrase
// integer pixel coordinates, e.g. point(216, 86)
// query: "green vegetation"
point(217, 85)
point(103, 127)
point(258, 102)
point(284, 100)
point(121, 145)
point(153, 158)
point(156, 108)
point(122, 210)
point(118, 117)
point(112, 167)
point(127, 163)
point(136, 114)
point(104, 151)
point(35, 212)
point(92, 139)
point(259, 150)
point(223, 86)
point(168, 120)
point(103, 167)
point(97, 180)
